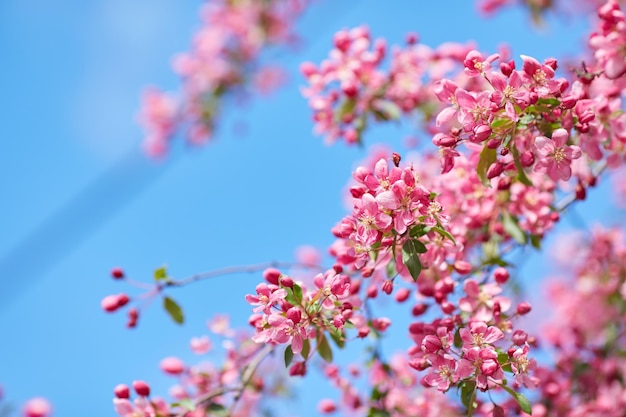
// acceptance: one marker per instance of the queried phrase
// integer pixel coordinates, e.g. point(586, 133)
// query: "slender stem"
point(238, 270)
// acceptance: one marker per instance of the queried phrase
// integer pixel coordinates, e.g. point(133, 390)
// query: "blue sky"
point(78, 197)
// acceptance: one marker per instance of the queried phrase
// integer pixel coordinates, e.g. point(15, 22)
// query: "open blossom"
point(442, 373)
point(265, 298)
point(555, 156)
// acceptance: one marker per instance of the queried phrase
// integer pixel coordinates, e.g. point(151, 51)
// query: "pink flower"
point(200, 345)
point(555, 157)
point(265, 298)
point(479, 335)
point(442, 373)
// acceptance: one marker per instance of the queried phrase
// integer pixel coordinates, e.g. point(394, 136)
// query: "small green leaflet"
point(160, 274)
point(487, 157)
point(410, 256)
point(521, 399)
point(288, 356)
point(323, 348)
point(511, 226)
point(174, 310)
point(306, 348)
point(186, 403)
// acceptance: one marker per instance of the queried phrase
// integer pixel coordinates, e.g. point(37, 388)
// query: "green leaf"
point(346, 108)
point(521, 399)
point(487, 157)
point(297, 292)
point(526, 119)
point(535, 240)
point(187, 404)
point(443, 232)
point(458, 342)
point(288, 356)
point(337, 337)
point(521, 174)
point(501, 123)
point(160, 274)
point(386, 110)
point(468, 389)
point(511, 226)
point(174, 310)
point(306, 348)
point(323, 348)
point(217, 410)
point(419, 230)
point(410, 256)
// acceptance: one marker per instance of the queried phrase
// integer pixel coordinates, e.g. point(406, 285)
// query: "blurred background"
point(78, 196)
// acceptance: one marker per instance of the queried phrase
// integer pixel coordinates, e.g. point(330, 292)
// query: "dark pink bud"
point(363, 332)
point(507, 67)
point(349, 89)
point(447, 307)
point(489, 367)
point(481, 133)
point(286, 281)
point(419, 309)
point(412, 38)
point(402, 295)
point(527, 159)
point(342, 40)
point(504, 183)
point(519, 337)
point(298, 369)
point(523, 308)
point(387, 287)
point(431, 344)
point(586, 117)
point(493, 143)
point(501, 275)
point(338, 268)
point(396, 158)
point(141, 388)
point(495, 170)
point(497, 411)
point(581, 193)
point(122, 300)
point(445, 141)
point(117, 273)
point(122, 391)
point(271, 275)
point(294, 314)
point(133, 316)
point(339, 321)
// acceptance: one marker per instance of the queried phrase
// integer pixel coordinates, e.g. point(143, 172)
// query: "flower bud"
point(37, 407)
point(271, 275)
point(172, 365)
point(141, 388)
point(117, 273)
point(519, 337)
point(523, 308)
point(122, 391)
point(501, 275)
point(402, 295)
point(387, 287)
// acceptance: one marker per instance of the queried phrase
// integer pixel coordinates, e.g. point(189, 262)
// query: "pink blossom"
point(555, 157)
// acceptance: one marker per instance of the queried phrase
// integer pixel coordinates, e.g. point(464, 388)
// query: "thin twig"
point(238, 270)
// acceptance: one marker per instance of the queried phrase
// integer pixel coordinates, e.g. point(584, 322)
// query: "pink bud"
point(519, 337)
point(402, 295)
point(172, 365)
point(431, 344)
point(489, 367)
point(326, 406)
point(37, 407)
point(447, 307)
point(117, 273)
point(298, 369)
point(122, 391)
point(286, 281)
point(122, 300)
point(527, 159)
point(141, 388)
point(419, 309)
point(271, 275)
point(109, 303)
point(411, 38)
point(363, 332)
point(523, 308)
point(308, 68)
point(419, 364)
point(372, 291)
point(294, 314)
point(495, 170)
point(339, 321)
point(133, 315)
point(387, 287)
point(381, 324)
point(501, 275)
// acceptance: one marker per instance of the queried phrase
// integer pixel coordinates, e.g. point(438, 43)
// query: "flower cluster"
point(224, 60)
